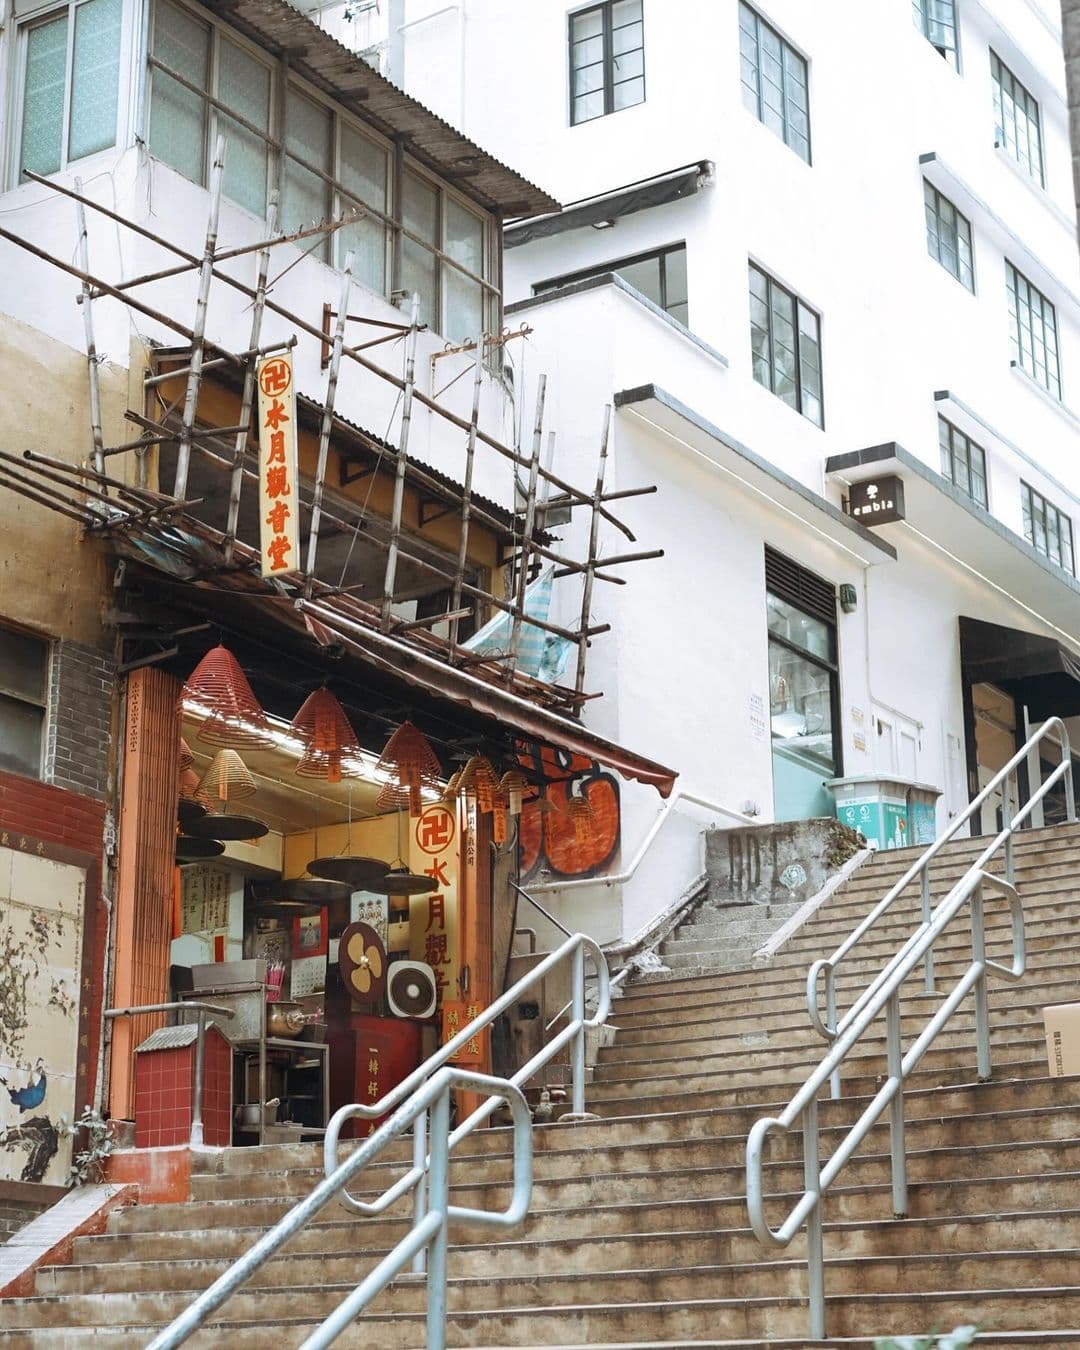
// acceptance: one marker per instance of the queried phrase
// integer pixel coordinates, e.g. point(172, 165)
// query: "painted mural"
point(548, 840)
point(41, 936)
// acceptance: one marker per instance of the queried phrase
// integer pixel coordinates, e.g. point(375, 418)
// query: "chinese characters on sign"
point(279, 495)
point(433, 930)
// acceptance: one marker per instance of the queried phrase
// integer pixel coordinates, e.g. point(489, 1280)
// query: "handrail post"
point(419, 1156)
point(815, 1254)
point(1067, 779)
point(982, 1012)
point(830, 1023)
point(1006, 824)
point(895, 1066)
point(577, 1045)
point(926, 916)
point(439, 1203)
point(197, 1090)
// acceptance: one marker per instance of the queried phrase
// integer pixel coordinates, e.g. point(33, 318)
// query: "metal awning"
point(527, 720)
point(1036, 670)
point(609, 206)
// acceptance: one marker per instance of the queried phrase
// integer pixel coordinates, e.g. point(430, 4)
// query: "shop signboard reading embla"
point(877, 501)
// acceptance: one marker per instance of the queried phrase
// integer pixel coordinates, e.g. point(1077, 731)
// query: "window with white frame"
point(24, 671)
point(205, 81)
point(1047, 530)
point(936, 21)
point(1016, 119)
point(69, 78)
point(1033, 331)
point(775, 81)
point(948, 236)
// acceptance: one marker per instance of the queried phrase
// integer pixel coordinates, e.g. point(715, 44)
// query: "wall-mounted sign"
point(877, 501)
point(279, 494)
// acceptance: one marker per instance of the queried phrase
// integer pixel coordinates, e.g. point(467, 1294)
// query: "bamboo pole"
point(206, 272)
point(594, 540)
point(466, 495)
point(236, 482)
point(88, 331)
point(399, 479)
point(530, 516)
point(328, 420)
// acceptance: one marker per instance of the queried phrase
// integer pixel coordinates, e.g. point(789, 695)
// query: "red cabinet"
point(368, 1057)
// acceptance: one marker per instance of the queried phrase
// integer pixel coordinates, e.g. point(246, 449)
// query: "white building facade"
point(806, 247)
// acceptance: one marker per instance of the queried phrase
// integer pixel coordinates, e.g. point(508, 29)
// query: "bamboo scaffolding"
point(206, 355)
point(573, 494)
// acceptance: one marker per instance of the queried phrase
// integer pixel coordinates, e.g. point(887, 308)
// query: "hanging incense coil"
point(411, 767)
point(479, 780)
point(452, 785)
point(189, 785)
point(187, 759)
point(235, 717)
point(227, 779)
point(331, 746)
point(581, 813)
point(512, 787)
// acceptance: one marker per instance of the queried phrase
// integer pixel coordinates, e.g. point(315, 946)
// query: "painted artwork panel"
point(41, 935)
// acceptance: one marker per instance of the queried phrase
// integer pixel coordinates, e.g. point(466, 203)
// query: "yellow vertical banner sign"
point(279, 486)
point(433, 918)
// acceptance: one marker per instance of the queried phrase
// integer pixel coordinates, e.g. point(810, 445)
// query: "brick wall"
point(80, 718)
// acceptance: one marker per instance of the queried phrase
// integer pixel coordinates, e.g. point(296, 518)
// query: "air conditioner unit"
point(411, 989)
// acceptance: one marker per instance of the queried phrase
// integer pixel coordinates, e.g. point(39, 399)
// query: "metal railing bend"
point(803, 1107)
point(422, 1102)
point(1052, 731)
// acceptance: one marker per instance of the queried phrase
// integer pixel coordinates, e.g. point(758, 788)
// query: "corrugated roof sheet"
point(279, 28)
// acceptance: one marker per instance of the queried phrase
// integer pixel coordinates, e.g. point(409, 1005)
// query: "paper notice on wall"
point(755, 712)
point(204, 899)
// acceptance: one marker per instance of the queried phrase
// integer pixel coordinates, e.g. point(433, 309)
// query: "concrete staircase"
point(638, 1235)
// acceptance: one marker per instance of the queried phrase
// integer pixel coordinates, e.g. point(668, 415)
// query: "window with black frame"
point(963, 462)
point(1048, 530)
point(607, 59)
point(660, 276)
point(24, 675)
point(785, 341)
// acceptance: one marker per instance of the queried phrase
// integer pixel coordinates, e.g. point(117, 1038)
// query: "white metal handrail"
point(431, 1234)
point(421, 1100)
point(829, 1026)
point(890, 1096)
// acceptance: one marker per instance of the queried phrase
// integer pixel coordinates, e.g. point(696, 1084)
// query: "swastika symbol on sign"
point(275, 377)
point(435, 829)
